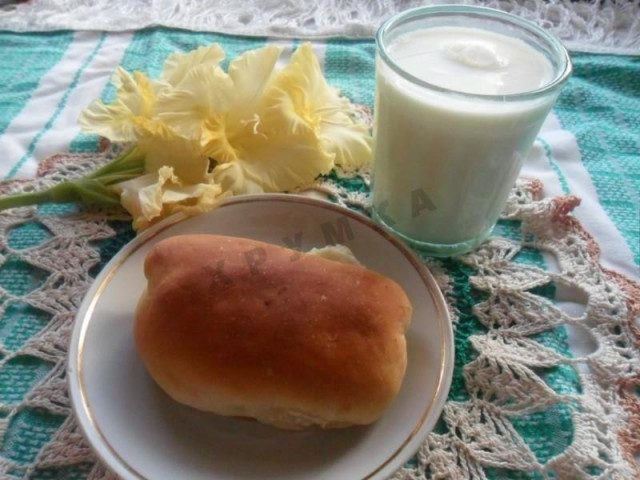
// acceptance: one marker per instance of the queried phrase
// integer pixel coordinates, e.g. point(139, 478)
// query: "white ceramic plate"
point(139, 432)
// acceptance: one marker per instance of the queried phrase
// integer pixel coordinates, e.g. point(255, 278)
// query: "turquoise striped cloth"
point(23, 62)
point(590, 147)
point(601, 107)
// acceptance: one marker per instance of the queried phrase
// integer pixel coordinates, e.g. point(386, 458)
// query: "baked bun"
point(244, 328)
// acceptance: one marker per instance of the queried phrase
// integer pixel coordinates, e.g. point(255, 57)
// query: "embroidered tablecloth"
point(547, 371)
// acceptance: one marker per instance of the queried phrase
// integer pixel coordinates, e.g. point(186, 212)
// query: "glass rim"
point(558, 48)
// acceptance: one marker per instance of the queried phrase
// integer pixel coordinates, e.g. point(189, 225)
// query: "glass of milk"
point(461, 93)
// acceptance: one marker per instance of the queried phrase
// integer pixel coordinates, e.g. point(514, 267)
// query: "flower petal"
point(191, 199)
point(155, 196)
point(273, 163)
point(164, 148)
point(121, 120)
point(301, 98)
point(215, 139)
point(301, 92)
point(350, 144)
point(234, 178)
point(250, 73)
point(142, 197)
point(178, 65)
point(204, 93)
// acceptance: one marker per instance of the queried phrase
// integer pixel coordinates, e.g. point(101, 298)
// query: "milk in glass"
point(449, 146)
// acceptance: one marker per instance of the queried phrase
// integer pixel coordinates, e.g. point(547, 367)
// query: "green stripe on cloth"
point(24, 60)
point(61, 104)
point(554, 165)
point(599, 105)
point(149, 49)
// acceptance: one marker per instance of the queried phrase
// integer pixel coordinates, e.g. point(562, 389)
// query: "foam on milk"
point(471, 60)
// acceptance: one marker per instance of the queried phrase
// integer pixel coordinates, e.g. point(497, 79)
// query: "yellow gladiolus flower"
point(301, 96)
point(205, 133)
point(226, 111)
point(217, 107)
point(132, 110)
point(155, 196)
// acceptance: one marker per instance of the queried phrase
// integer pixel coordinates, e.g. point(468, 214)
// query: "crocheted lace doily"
point(502, 378)
point(611, 26)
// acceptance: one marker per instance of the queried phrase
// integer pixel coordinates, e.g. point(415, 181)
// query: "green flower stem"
point(94, 189)
point(133, 159)
point(24, 199)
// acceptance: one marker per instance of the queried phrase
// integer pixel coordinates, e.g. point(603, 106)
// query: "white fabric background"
point(593, 25)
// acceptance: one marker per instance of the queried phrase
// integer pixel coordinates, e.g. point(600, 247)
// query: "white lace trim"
point(611, 26)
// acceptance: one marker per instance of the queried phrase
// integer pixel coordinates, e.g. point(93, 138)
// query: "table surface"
point(546, 335)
